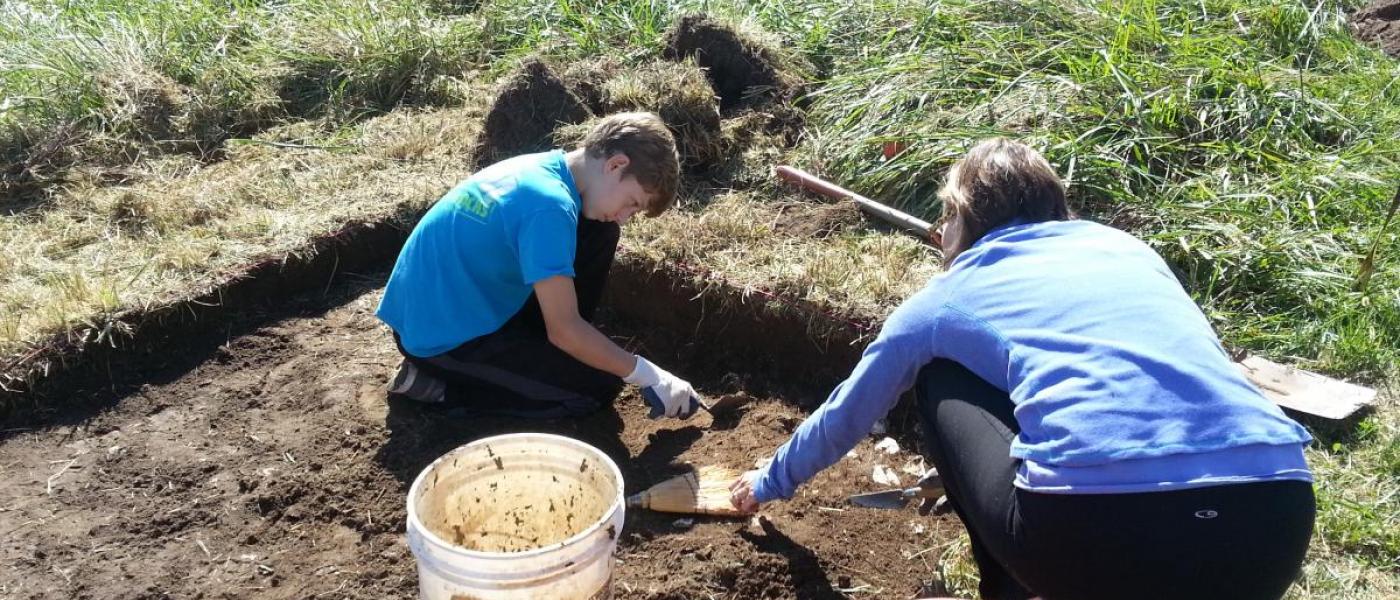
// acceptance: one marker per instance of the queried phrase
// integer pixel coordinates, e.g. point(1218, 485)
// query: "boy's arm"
point(667, 394)
point(575, 336)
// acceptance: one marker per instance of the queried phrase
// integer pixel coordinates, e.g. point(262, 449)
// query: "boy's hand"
point(667, 394)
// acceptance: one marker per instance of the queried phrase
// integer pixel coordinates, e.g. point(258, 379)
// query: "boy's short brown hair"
point(1000, 180)
point(650, 150)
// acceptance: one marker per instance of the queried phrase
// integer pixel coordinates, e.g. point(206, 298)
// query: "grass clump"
point(113, 83)
point(680, 94)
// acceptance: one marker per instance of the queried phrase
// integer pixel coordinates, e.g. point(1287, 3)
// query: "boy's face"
point(614, 197)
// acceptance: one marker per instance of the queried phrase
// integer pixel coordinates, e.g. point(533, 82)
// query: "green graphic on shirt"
point(480, 200)
point(477, 206)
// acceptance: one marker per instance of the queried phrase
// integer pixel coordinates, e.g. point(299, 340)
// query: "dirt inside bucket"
point(512, 502)
point(258, 458)
point(1379, 22)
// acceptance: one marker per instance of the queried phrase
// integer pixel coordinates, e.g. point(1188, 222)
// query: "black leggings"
point(1235, 542)
point(516, 370)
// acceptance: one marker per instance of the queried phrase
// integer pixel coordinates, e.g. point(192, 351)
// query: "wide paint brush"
point(702, 491)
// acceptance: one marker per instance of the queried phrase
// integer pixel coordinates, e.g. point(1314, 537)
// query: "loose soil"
point(808, 220)
point(259, 458)
point(1379, 22)
point(527, 110)
point(742, 72)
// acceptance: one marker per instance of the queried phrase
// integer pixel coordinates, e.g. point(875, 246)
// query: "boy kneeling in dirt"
point(492, 296)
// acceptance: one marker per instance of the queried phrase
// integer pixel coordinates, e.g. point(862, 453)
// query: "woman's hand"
point(741, 492)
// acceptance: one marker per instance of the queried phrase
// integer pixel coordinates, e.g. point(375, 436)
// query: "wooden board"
point(1306, 392)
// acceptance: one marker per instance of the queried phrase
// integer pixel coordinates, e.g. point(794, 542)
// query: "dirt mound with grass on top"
point(742, 71)
point(530, 106)
point(725, 96)
point(587, 80)
point(681, 96)
point(1379, 22)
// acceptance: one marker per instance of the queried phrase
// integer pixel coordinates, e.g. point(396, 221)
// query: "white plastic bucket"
point(524, 515)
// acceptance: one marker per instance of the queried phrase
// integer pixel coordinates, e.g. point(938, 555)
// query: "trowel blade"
point(886, 499)
point(724, 404)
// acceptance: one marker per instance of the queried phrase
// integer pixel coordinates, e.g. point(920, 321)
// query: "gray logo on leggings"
point(1206, 513)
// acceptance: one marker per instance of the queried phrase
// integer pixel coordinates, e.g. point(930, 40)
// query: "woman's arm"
point(886, 370)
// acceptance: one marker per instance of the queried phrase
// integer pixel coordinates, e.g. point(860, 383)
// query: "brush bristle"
point(703, 491)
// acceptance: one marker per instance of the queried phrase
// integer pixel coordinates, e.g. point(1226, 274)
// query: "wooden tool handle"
point(810, 182)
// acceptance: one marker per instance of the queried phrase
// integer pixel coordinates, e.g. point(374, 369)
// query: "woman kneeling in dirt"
point(1092, 433)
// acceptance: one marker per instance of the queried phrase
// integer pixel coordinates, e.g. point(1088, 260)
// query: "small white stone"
point(915, 467)
point(886, 476)
point(683, 523)
point(888, 446)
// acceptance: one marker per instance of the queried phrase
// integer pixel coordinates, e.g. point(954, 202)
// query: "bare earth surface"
point(1379, 22)
point(261, 460)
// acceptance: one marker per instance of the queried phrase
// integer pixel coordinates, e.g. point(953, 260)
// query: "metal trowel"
point(930, 486)
point(723, 405)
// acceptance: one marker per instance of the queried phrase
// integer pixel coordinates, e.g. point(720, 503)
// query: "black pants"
point(1236, 542)
point(516, 370)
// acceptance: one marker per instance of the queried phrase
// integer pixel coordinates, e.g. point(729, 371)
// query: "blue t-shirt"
point(1118, 380)
point(471, 262)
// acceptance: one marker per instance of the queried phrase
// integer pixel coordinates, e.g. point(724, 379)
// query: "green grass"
point(154, 77)
point(1253, 143)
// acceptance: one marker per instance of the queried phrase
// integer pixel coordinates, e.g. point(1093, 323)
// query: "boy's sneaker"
point(412, 383)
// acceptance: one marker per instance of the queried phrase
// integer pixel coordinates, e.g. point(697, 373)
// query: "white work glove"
point(666, 394)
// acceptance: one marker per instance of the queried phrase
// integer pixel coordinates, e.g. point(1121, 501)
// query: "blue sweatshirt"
point(1118, 380)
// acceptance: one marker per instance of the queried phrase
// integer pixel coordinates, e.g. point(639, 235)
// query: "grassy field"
point(149, 149)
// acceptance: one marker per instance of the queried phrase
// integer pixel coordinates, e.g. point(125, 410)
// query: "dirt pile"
point(742, 71)
point(1379, 22)
point(725, 97)
point(529, 107)
point(807, 220)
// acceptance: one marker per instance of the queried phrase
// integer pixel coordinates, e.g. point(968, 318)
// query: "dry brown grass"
point(99, 252)
point(737, 238)
point(681, 95)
